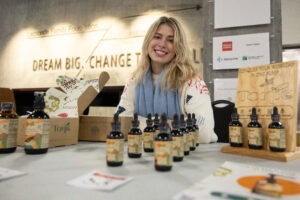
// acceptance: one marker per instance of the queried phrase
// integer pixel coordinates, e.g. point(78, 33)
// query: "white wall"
point(290, 21)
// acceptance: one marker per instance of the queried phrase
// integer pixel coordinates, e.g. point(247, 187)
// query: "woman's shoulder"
point(197, 84)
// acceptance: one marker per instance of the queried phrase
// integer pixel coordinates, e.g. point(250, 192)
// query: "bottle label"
point(235, 134)
point(186, 142)
point(197, 135)
point(277, 138)
point(37, 133)
point(149, 140)
point(135, 144)
point(163, 153)
point(8, 133)
point(114, 150)
point(255, 136)
point(156, 133)
point(192, 139)
point(178, 146)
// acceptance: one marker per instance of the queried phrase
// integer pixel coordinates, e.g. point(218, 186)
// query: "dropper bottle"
point(115, 144)
point(276, 133)
point(192, 134)
point(156, 124)
point(8, 128)
point(37, 128)
point(163, 147)
point(135, 139)
point(254, 132)
point(177, 136)
point(186, 145)
point(196, 128)
point(148, 135)
point(235, 130)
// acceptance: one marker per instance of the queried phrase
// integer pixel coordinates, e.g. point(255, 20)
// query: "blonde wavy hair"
point(180, 68)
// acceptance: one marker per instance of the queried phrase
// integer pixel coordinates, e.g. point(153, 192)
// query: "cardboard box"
point(63, 131)
point(96, 127)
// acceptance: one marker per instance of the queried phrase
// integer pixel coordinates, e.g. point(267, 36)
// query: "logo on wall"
point(227, 46)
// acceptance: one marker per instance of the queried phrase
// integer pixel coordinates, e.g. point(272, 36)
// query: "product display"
point(148, 135)
point(196, 128)
point(254, 132)
point(177, 136)
point(235, 130)
point(115, 144)
point(163, 147)
point(192, 134)
point(276, 133)
point(8, 128)
point(135, 138)
point(186, 145)
point(37, 127)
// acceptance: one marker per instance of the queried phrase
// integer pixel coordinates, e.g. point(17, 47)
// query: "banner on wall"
point(236, 51)
point(234, 13)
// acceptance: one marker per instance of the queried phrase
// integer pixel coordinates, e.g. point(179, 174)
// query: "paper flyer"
point(96, 180)
point(9, 173)
point(243, 182)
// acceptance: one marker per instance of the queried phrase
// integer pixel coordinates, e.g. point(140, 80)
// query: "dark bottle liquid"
point(276, 133)
point(235, 130)
point(163, 147)
point(37, 127)
point(177, 136)
point(115, 144)
point(254, 132)
point(135, 139)
point(8, 128)
point(186, 145)
point(148, 135)
point(196, 128)
point(192, 134)
point(156, 124)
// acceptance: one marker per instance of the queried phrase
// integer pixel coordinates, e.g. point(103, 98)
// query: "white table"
point(48, 173)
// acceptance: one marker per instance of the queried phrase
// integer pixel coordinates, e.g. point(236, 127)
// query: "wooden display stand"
point(264, 87)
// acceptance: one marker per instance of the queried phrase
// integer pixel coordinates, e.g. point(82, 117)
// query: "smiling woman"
point(166, 81)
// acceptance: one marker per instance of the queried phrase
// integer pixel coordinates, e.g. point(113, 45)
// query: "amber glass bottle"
point(195, 125)
point(163, 147)
point(186, 145)
point(37, 127)
point(254, 132)
point(148, 135)
point(8, 128)
point(235, 130)
point(135, 139)
point(276, 133)
point(115, 144)
point(192, 134)
point(156, 124)
point(177, 136)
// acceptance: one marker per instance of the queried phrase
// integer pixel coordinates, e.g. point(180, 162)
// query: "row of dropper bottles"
point(168, 144)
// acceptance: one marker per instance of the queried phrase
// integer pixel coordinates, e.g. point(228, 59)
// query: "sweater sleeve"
point(197, 100)
point(126, 104)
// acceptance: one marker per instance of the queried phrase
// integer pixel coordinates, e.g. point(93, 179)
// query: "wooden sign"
point(264, 87)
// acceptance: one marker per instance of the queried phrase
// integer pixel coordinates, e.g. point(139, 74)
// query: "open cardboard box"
point(63, 131)
point(96, 125)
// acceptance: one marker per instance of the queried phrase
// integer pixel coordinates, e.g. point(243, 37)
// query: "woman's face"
point(161, 47)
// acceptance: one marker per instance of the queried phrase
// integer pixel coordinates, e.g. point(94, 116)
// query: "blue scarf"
point(150, 99)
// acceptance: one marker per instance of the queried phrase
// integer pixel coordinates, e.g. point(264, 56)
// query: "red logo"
point(227, 46)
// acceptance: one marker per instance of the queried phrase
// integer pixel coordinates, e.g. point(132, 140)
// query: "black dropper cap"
point(182, 121)
point(163, 127)
point(115, 125)
point(6, 106)
point(275, 116)
point(194, 118)
point(235, 115)
point(39, 102)
point(175, 123)
point(149, 120)
point(189, 120)
point(253, 115)
point(156, 119)
point(271, 179)
point(135, 121)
